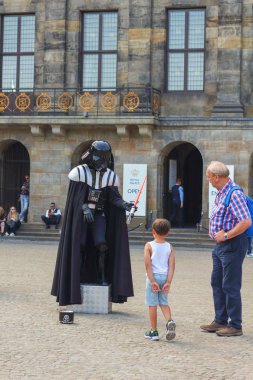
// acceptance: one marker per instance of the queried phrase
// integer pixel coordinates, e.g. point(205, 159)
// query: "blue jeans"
point(24, 203)
point(226, 280)
point(249, 245)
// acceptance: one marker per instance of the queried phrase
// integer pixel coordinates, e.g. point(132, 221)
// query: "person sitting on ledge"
point(3, 219)
point(13, 222)
point(52, 217)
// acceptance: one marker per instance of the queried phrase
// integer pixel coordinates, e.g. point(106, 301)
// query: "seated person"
point(13, 222)
point(3, 219)
point(53, 216)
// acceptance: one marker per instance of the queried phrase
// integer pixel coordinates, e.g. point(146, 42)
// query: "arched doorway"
point(79, 151)
point(184, 161)
point(14, 165)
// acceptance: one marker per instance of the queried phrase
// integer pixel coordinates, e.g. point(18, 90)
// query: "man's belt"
point(96, 206)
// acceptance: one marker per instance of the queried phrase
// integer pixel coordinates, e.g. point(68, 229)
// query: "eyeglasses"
point(13, 209)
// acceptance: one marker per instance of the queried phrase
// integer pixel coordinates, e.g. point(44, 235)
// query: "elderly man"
point(227, 227)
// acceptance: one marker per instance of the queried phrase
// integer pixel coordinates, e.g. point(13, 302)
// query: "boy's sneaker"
point(6, 234)
point(152, 335)
point(170, 330)
point(249, 254)
point(12, 234)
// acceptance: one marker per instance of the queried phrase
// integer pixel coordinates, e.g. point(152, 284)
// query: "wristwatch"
point(226, 235)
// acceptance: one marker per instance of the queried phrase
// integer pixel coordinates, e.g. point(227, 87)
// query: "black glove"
point(87, 214)
point(128, 205)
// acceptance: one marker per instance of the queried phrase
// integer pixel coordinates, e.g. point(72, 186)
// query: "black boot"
point(101, 268)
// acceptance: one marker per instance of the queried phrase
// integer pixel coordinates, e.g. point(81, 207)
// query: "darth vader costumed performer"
point(94, 245)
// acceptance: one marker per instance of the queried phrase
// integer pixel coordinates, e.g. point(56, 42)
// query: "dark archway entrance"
point(185, 161)
point(14, 165)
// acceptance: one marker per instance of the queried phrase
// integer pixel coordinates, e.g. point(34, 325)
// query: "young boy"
point(160, 266)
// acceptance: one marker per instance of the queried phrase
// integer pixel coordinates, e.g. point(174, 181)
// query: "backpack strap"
point(228, 196)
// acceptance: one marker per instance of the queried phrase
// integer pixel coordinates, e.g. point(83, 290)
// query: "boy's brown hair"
point(161, 226)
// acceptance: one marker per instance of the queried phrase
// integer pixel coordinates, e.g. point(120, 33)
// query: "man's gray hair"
point(218, 168)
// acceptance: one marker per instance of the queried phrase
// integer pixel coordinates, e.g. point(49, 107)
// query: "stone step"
point(179, 243)
point(39, 239)
point(187, 237)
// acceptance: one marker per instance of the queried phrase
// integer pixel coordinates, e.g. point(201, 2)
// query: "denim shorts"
point(156, 298)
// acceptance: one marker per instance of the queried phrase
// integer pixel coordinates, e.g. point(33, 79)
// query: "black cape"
point(76, 260)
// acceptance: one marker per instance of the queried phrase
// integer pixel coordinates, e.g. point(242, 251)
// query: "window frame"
point(100, 52)
point(18, 53)
point(185, 51)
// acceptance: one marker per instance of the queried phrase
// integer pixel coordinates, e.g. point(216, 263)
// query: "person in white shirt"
point(159, 260)
point(52, 217)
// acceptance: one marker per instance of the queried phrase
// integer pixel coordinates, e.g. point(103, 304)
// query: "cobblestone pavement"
point(34, 345)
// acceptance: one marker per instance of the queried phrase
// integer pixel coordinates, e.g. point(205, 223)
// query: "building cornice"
point(122, 125)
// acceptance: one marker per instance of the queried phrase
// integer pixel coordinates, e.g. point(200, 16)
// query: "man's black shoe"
point(47, 226)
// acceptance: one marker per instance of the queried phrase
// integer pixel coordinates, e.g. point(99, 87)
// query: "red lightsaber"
point(133, 209)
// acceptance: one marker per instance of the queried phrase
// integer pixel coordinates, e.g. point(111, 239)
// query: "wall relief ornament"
point(22, 102)
point(109, 101)
point(4, 102)
point(131, 101)
point(156, 100)
point(44, 101)
point(87, 101)
point(65, 101)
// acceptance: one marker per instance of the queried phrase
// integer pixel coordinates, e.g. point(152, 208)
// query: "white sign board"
point(133, 176)
point(172, 173)
point(213, 191)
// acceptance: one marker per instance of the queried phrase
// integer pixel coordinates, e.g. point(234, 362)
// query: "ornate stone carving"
point(131, 101)
point(109, 101)
point(4, 102)
point(44, 101)
point(22, 102)
point(87, 101)
point(156, 100)
point(65, 101)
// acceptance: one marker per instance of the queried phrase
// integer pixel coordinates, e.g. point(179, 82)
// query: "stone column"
point(54, 43)
point(229, 59)
point(39, 58)
point(139, 39)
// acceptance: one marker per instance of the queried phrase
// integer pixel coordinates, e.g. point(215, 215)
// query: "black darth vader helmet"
point(99, 155)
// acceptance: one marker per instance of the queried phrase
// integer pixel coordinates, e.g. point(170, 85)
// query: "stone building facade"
point(181, 125)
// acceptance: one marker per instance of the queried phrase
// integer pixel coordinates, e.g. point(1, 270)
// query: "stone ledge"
point(78, 120)
point(218, 121)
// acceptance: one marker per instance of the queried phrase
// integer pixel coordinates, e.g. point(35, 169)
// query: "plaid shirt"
point(227, 218)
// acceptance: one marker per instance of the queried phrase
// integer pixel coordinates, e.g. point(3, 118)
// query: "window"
point(185, 50)
point(17, 52)
point(99, 50)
